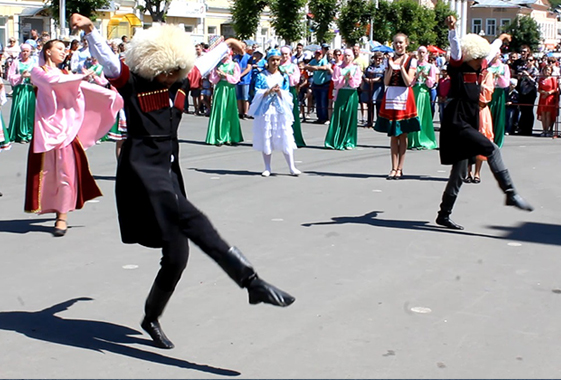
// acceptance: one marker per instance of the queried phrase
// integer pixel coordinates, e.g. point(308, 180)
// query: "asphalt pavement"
point(381, 291)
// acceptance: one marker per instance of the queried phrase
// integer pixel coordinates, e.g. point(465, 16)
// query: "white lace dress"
point(273, 118)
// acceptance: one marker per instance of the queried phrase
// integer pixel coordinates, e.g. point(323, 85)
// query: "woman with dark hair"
point(549, 100)
point(373, 86)
point(71, 115)
point(398, 115)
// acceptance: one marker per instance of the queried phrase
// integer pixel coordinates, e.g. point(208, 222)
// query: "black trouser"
point(195, 226)
point(459, 171)
point(526, 121)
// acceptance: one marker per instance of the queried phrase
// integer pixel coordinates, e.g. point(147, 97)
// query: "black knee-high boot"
point(154, 307)
point(512, 198)
point(446, 207)
point(238, 267)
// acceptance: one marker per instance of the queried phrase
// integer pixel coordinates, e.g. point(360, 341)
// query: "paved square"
point(381, 291)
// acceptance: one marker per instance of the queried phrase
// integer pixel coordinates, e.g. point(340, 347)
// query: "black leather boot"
point(238, 267)
point(443, 218)
point(512, 198)
point(154, 307)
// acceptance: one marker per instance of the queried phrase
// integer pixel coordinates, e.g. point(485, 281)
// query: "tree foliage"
point(524, 31)
point(354, 20)
point(245, 16)
point(158, 9)
point(84, 7)
point(288, 18)
point(324, 12)
point(441, 11)
point(415, 20)
point(382, 31)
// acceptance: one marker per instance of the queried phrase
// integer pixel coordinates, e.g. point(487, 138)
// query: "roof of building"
point(502, 3)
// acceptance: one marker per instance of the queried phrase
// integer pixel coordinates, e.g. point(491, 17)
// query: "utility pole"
point(62, 18)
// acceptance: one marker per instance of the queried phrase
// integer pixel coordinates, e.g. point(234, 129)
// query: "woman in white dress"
point(272, 111)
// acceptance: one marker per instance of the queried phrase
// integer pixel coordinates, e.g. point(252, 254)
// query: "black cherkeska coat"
point(459, 132)
point(149, 179)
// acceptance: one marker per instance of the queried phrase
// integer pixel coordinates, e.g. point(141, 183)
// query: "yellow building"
point(19, 17)
point(202, 19)
point(209, 18)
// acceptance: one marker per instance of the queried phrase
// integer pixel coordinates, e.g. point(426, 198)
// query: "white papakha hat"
point(159, 49)
point(474, 47)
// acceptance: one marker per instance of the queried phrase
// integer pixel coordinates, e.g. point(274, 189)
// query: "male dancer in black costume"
point(151, 201)
point(460, 139)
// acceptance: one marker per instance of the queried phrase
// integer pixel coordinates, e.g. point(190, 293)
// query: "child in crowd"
point(206, 95)
point(303, 90)
point(511, 107)
point(442, 91)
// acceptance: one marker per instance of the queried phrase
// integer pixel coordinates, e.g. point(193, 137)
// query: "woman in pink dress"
point(549, 100)
point(70, 116)
point(342, 131)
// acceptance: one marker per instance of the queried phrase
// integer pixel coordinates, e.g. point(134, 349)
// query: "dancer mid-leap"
point(460, 139)
point(151, 201)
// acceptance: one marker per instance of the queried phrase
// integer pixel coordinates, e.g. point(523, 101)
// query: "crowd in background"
point(520, 77)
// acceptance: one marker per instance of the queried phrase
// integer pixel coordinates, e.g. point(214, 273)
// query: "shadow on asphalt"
point(227, 172)
point(91, 335)
point(23, 226)
point(362, 175)
point(196, 142)
point(104, 177)
point(372, 219)
point(533, 233)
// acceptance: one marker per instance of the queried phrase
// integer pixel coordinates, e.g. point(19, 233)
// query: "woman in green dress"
point(224, 123)
point(425, 78)
point(22, 114)
point(291, 69)
point(342, 130)
point(501, 72)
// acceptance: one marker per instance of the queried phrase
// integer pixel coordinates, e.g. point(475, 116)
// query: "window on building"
point(188, 28)
point(504, 23)
point(476, 25)
point(211, 30)
point(491, 27)
point(264, 31)
point(3, 30)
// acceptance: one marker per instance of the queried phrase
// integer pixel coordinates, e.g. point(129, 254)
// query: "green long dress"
point(296, 125)
point(342, 132)
point(224, 123)
point(22, 116)
point(425, 138)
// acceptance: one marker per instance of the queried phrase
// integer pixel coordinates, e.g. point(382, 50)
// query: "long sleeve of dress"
point(504, 79)
point(13, 76)
point(337, 77)
point(213, 76)
point(431, 78)
point(495, 48)
point(295, 77)
point(208, 61)
point(455, 47)
point(234, 78)
point(356, 79)
point(103, 53)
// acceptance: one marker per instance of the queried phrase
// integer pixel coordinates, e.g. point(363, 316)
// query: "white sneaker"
point(266, 173)
point(295, 172)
